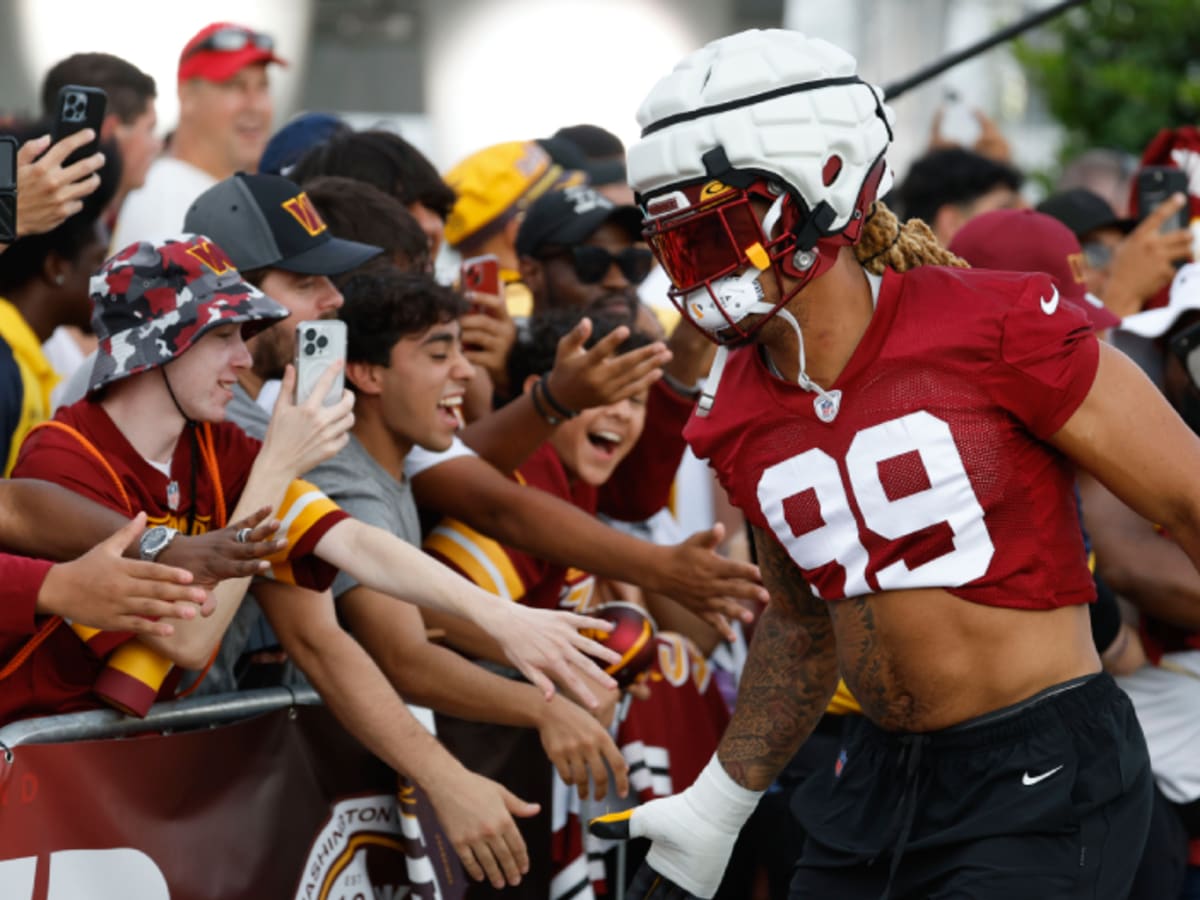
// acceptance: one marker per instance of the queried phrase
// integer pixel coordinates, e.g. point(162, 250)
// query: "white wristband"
point(693, 833)
point(720, 799)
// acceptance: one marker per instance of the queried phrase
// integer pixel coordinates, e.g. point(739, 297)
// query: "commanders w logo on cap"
point(212, 257)
point(303, 211)
point(253, 218)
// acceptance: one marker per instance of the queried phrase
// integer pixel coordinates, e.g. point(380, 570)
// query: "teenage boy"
point(406, 365)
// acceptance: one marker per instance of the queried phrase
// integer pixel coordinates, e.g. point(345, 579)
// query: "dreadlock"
point(886, 244)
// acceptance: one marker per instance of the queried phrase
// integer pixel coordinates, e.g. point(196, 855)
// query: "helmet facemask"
point(715, 243)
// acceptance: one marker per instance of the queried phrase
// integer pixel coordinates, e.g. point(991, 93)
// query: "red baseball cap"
point(219, 51)
point(1024, 240)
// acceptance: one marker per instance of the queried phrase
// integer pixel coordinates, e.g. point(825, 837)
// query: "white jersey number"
point(949, 499)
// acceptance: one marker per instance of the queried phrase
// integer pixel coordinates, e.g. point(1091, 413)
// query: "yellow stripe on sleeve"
point(304, 504)
point(480, 558)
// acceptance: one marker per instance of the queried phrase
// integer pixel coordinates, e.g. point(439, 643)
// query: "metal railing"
point(164, 718)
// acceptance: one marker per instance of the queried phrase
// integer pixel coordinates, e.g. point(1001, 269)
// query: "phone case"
point(1154, 185)
point(8, 188)
point(482, 274)
point(79, 107)
point(318, 345)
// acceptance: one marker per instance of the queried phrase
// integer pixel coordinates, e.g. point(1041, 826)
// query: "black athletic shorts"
point(1047, 799)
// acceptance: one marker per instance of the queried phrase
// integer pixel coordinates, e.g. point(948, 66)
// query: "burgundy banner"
point(285, 805)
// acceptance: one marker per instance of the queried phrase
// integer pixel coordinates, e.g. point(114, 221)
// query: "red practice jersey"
point(934, 473)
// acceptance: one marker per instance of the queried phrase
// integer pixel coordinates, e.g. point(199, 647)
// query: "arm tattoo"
point(789, 676)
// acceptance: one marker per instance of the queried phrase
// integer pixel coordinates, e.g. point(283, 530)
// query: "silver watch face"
point(155, 540)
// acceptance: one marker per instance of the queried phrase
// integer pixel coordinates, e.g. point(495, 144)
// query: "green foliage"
point(1120, 71)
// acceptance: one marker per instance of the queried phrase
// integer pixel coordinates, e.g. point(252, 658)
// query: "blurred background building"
point(454, 75)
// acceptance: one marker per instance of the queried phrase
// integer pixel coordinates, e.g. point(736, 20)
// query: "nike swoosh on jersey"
point(1028, 779)
point(1049, 306)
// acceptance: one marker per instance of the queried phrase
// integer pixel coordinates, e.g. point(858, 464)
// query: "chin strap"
point(192, 427)
point(709, 393)
point(826, 403)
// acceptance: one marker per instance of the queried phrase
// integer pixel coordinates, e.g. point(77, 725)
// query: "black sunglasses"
point(1185, 347)
point(227, 40)
point(592, 263)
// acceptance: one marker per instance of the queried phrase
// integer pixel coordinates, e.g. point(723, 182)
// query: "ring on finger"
point(243, 535)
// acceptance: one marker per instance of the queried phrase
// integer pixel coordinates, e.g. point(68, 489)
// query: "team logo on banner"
point(370, 846)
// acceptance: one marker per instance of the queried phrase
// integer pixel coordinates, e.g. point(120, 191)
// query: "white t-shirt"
point(156, 210)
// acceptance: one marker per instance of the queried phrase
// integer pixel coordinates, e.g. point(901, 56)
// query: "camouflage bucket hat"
point(151, 302)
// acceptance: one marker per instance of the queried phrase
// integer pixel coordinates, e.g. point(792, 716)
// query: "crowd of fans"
point(527, 440)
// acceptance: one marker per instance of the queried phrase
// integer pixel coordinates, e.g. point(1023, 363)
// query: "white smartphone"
point(319, 344)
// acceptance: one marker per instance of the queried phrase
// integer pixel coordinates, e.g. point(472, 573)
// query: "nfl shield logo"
point(827, 405)
point(173, 496)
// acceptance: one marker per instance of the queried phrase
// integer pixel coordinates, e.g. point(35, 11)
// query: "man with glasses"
point(579, 250)
point(224, 124)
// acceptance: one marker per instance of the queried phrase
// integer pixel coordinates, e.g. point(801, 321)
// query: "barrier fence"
point(259, 794)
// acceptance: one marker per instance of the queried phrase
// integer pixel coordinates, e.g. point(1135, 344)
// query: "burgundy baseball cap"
point(1024, 240)
point(219, 51)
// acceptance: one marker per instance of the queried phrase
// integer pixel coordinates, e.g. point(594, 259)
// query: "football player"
point(901, 434)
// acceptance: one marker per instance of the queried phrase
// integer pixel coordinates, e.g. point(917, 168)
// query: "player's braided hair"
point(886, 244)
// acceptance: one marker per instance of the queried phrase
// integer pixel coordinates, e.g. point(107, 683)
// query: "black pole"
point(896, 88)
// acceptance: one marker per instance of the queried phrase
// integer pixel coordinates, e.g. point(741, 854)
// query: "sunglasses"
point(592, 263)
point(1185, 347)
point(227, 40)
point(1098, 255)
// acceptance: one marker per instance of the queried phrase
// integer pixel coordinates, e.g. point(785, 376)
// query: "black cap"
point(599, 172)
point(1084, 212)
point(569, 217)
point(266, 220)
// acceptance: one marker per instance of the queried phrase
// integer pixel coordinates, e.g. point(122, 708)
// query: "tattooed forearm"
point(789, 676)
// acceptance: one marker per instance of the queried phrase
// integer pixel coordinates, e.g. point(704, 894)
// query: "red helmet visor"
point(699, 245)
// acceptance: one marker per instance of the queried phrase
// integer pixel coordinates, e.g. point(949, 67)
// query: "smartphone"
point(8, 188)
point(481, 274)
point(1154, 185)
point(79, 107)
point(319, 344)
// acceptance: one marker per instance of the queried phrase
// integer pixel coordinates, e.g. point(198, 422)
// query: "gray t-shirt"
point(360, 486)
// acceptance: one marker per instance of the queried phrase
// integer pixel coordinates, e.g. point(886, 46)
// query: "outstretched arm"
point(435, 676)
point(542, 644)
point(543, 525)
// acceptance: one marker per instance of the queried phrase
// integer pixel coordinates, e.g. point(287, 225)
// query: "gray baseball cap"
point(266, 220)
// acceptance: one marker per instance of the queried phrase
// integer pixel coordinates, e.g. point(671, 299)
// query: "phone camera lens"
point(310, 334)
point(310, 349)
point(322, 342)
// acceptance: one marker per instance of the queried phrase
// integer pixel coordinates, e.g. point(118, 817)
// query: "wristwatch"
point(155, 540)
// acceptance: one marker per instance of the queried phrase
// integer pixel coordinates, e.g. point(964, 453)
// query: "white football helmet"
point(771, 116)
